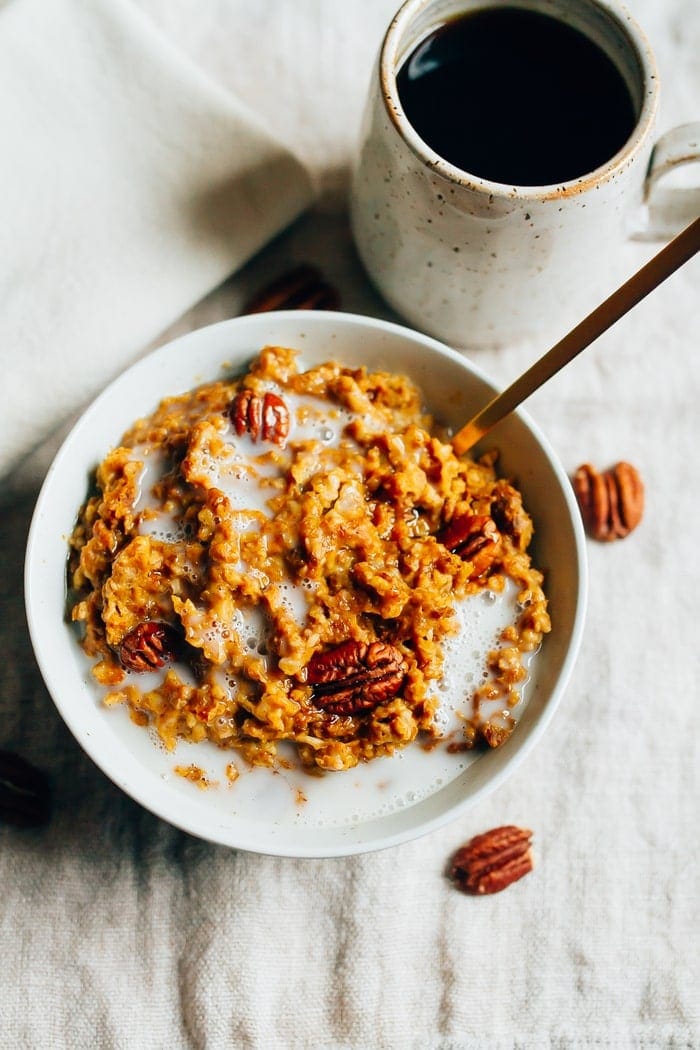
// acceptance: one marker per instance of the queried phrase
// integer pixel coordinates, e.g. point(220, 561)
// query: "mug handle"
point(666, 210)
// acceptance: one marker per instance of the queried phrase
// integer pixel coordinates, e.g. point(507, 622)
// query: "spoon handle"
point(661, 266)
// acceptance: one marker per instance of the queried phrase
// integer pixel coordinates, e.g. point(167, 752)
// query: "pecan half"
point(490, 862)
point(149, 646)
point(474, 538)
point(302, 288)
point(510, 516)
point(25, 798)
point(356, 676)
point(611, 501)
point(264, 417)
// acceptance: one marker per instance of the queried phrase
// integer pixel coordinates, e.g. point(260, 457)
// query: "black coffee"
point(516, 97)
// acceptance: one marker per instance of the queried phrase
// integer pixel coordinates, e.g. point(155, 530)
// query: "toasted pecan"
point(149, 646)
point(491, 861)
point(611, 501)
point(474, 537)
point(265, 417)
point(302, 288)
point(356, 676)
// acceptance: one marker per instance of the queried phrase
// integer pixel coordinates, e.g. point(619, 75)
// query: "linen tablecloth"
point(118, 931)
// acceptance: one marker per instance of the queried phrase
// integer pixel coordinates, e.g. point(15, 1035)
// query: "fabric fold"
point(132, 186)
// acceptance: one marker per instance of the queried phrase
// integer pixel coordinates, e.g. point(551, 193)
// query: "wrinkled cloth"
point(132, 185)
point(118, 931)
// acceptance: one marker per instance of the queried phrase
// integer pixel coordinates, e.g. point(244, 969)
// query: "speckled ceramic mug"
point(480, 263)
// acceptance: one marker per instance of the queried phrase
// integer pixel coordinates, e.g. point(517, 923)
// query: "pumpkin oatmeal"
point(286, 556)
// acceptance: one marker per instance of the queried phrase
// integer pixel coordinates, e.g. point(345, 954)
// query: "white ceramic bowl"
point(454, 389)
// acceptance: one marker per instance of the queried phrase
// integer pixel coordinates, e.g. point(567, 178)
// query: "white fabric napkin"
point(131, 186)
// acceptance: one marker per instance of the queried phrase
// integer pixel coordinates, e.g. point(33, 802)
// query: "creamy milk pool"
point(385, 784)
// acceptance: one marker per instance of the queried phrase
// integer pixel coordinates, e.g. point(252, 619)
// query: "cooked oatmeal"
point(283, 556)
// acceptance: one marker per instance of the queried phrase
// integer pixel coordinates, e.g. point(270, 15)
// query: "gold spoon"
point(661, 266)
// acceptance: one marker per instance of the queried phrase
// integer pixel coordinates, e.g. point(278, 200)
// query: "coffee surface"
point(516, 97)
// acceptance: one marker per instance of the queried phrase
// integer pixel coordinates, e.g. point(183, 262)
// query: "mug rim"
point(440, 166)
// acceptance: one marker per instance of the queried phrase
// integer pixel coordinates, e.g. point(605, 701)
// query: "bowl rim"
point(170, 814)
